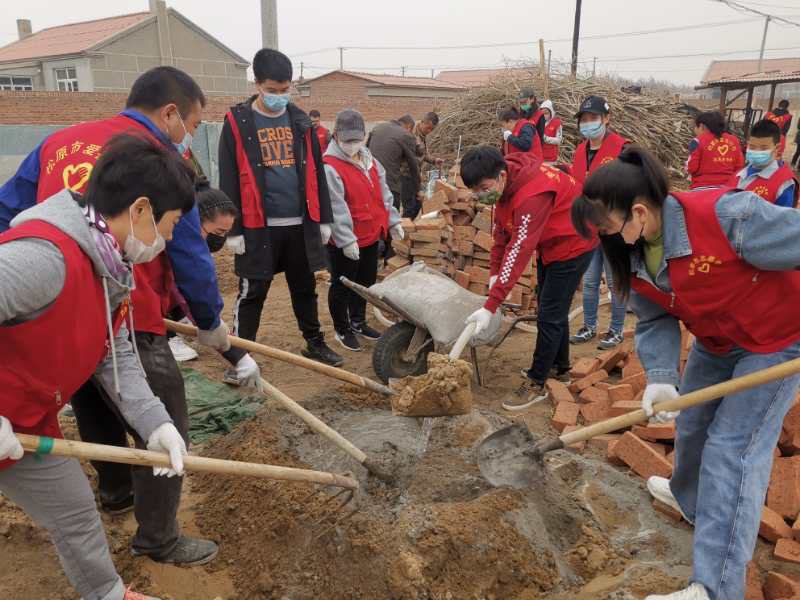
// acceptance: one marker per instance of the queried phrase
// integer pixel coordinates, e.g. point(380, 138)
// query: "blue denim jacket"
point(763, 234)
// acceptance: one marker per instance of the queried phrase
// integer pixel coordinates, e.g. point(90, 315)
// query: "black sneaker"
point(612, 339)
point(527, 394)
point(117, 507)
point(188, 552)
point(319, 350)
point(583, 335)
point(348, 341)
point(367, 332)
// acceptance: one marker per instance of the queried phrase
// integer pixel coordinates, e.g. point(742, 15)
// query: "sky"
point(415, 30)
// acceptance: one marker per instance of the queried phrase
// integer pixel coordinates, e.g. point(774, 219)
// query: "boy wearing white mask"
point(363, 214)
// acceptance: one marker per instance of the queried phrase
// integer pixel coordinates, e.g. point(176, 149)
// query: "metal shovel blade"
point(502, 459)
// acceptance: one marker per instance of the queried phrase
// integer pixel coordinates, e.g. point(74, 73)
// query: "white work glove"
point(247, 371)
point(492, 279)
point(325, 232)
point(655, 393)
point(398, 233)
point(235, 243)
point(9, 444)
point(166, 438)
point(481, 318)
point(506, 134)
point(351, 251)
point(215, 338)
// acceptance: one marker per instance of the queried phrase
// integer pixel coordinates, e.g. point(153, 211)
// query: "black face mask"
point(215, 242)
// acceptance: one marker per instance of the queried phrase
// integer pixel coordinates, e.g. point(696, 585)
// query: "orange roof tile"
point(481, 77)
point(394, 80)
point(772, 69)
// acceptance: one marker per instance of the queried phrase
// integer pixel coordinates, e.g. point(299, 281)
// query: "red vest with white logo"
point(609, 150)
point(768, 188)
point(780, 121)
point(364, 199)
point(322, 136)
point(536, 144)
point(67, 158)
point(723, 300)
point(550, 151)
point(720, 158)
point(252, 207)
point(44, 361)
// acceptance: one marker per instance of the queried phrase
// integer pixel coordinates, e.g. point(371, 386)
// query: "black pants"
point(156, 499)
point(557, 284)
point(345, 305)
point(289, 255)
point(796, 154)
point(411, 206)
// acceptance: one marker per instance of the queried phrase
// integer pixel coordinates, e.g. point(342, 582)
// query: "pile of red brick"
point(772, 586)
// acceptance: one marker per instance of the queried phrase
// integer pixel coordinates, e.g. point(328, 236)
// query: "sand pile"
point(444, 390)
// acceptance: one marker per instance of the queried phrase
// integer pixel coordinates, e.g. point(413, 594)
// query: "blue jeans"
point(591, 294)
point(723, 460)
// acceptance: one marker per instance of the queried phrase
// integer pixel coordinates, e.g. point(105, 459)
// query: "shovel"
point(511, 456)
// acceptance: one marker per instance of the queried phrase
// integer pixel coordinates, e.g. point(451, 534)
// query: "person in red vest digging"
point(723, 262)
point(323, 134)
point(531, 203)
point(519, 135)
point(714, 154)
point(783, 119)
point(363, 214)
point(553, 133)
point(82, 254)
point(765, 174)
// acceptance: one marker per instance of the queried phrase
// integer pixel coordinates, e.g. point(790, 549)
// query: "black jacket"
point(256, 262)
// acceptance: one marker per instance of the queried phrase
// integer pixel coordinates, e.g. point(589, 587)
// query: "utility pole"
point(341, 58)
point(594, 67)
point(549, 57)
point(763, 43)
point(576, 31)
point(402, 71)
point(302, 64)
point(432, 75)
point(269, 24)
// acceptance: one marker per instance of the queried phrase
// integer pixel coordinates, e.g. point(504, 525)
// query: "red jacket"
point(768, 188)
point(44, 361)
point(782, 121)
point(609, 150)
point(67, 158)
point(536, 145)
point(324, 137)
point(534, 211)
point(364, 199)
point(722, 299)
point(550, 151)
point(714, 160)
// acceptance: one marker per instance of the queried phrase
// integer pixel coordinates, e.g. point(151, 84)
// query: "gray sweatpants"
point(55, 493)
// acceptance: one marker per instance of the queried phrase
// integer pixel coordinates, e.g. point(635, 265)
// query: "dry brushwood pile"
point(655, 122)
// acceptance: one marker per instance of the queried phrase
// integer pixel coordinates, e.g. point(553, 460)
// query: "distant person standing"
point(553, 133)
point(714, 155)
point(796, 156)
point(783, 119)
point(323, 134)
point(519, 135)
point(530, 109)
point(395, 147)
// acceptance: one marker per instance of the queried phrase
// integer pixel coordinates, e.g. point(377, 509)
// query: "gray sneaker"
point(584, 335)
point(612, 339)
point(188, 552)
point(527, 394)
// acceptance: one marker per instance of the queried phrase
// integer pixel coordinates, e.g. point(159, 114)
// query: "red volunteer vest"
point(721, 299)
point(768, 188)
point(364, 199)
point(252, 207)
point(536, 146)
point(550, 151)
point(609, 150)
point(322, 136)
point(44, 361)
point(720, 158)
point(780, 121)
point(67, 158)
point(559, 224)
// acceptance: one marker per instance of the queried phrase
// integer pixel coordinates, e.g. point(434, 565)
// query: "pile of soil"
point(445, 389)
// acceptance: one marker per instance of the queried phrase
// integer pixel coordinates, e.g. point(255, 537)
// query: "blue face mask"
point(275, 102)
point(593, 130)
point(186, 142)
point(759, 158)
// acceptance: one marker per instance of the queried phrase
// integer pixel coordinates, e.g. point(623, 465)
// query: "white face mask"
point(136, 251)
point(351, 148)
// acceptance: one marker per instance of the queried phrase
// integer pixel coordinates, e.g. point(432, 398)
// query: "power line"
point(698, 54)
point(741, 7)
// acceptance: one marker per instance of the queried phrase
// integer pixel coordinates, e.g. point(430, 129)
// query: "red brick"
point(640, 457)
point(577, 446)
point(790, 444)
point(594, 412)
point(594, 394)
point(796, 530)
point(601, 442)
point(558, 391)
point(753, 583)
point(655, 432)
point(621, 393)
point(638, 382)
point(483, 240)
point(778, 586)
point(603, 385)
point(588, 381)
point(611, 358)
point(462, 279)
point(584, 367)
point(622, 408)
point(671, 458)
point(611, 454)
point(632, 366)
point(478, 274)
point(773, 527)
point(667, 510)
point(787, 550)
point(783, 495)
point(628, 333)
point(566, 414)
point(791, 421)
point(660, 448)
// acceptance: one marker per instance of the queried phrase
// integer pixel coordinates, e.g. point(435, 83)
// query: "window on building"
point(15, 83)
point(66, 79)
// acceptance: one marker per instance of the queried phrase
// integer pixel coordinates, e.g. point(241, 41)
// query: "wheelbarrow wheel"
point(388, 357)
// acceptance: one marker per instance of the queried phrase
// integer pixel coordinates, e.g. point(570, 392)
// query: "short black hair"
point(783, 104)
point(271, 64)
point(133, 165)
point(483, 162)
point(766, 129)
point(407, 119)
point(315, 114)
point(509, 114)
point(212, 202)
point(165, 85)
point(431, 118)
point(713, 120)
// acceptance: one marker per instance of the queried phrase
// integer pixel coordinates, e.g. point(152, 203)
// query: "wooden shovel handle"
point(288, 357)
point(134, 456)
point(712, 392)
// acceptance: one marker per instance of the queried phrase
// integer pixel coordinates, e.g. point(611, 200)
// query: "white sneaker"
point(696, 591)
point(181, 350)
point(659, 489)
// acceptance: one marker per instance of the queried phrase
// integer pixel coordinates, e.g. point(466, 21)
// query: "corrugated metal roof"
point(481, 77)
point(746, 71)
point(393, 80)
point(69, 39)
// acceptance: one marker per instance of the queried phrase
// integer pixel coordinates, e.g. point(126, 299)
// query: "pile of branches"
point(659, 123)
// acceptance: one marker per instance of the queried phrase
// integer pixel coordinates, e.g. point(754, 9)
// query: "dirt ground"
point(441, 533)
